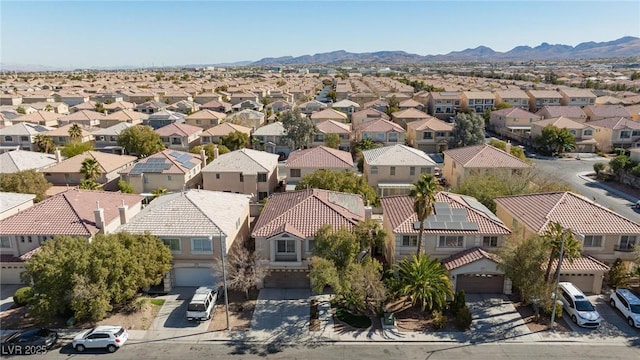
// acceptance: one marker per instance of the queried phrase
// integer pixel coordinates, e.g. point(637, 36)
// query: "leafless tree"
point(244, 269)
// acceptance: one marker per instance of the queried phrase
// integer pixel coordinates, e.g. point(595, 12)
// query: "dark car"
point(29, 342)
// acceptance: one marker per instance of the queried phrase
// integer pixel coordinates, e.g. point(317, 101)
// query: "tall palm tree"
point(424, 281)
point(75, 132)
point(564, 141)
point(44, 143)
point(89, 184)
point(553, 240)
point(424, 195)
point(90, 169)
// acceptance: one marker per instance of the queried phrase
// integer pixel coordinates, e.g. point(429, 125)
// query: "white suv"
point(202, 303)
point(628, 304)
point(104, 337)
point(576, 304)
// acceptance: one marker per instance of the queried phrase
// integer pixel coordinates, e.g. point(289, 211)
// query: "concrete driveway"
point(495, 318)
point(6, 295)
point(171, 321)
point(282, 312)
point(613, 324)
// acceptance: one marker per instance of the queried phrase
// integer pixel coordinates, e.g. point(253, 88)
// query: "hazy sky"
point(115, 33)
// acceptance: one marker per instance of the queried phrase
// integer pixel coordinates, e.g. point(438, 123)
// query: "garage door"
point(583, 282)
point(194, 277)
point(11, 274)
point(480, 283)
point(287, 279)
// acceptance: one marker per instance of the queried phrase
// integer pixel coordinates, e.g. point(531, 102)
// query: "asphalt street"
point(488, 351)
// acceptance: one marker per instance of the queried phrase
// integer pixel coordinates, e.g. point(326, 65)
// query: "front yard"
point(240, 312)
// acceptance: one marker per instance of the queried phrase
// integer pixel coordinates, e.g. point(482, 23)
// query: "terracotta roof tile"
point(430, 123)
point(107, 162)
point(607, 110)
point(320, 157)
point(485, 156)
point(225, 129)
point(333, 127)
point(380, 125)
point(566, 111)
point(583, 263)
point(466, 257)
point(178, 129)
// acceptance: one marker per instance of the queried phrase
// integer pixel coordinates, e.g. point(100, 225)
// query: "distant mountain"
point(624, 47)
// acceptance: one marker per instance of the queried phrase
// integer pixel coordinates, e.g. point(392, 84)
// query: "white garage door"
point(10, 274)
point(194, 277)
point(583, 282)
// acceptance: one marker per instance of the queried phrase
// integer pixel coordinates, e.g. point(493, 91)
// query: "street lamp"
point(555, 290)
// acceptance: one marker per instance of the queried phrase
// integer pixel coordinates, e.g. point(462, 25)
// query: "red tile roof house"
point(307, 161)
point(461, 231)
point(181, 137)
point(607, 235)
point(284, 233)
point(381, 131)
point(71, 213)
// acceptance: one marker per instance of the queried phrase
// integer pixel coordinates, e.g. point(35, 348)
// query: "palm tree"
point(44, 143)
point(88, 184)
point(564, 141)
point(159, 192)
point(75, 132)
point(424, 281)
point(90, 169)
point(553, 240)
point(424, 195)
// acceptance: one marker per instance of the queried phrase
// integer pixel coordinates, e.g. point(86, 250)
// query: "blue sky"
point(116, 33)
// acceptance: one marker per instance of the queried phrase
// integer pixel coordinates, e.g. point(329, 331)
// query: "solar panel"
point(469, 226)
point(189, 165)
point(455, 226)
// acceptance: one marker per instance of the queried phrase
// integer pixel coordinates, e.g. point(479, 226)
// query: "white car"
point(628, 304)
point(637, 205)
point(101, 337)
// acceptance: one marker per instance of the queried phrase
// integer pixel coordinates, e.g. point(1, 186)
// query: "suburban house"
point(284, 233)
point(380, 131)
point(150, 107)
point(184, 106)
point(41, 117)
point(60, 136)
point(307, 161)
point(205, 118)
point(607, 235)
point(169, 169)
point(479, 159)
point(140, 97)
point(585, 134)
point(271, 138)
point(633, 111)
point(11, 204)
point(118, 106)
point(174, 96)
point(279, 106)
point(10, 99)
point(85, 106)
point(329, 114)
point(312, 106)
point(21, 136)
point(367, 115)
point(247, 105)
point(247, 118)
point(346, 106)
point(430, 135)
point(333, 127)
point(181, 137)
point(541, 98)
point(214, 134)
point(71, 99)
point(243, 96)
point(515, 97)
point(210, 222)
point(392, 170)
point(444, 105)
point(217, 106)
point(599, 112)
point(74, 212)
point(617, 132)
point(459, 225)
point(571, 112)
point(164, 118)
point(577, 97)
point(21, 160)
point(122, 116)
point(378, 104)
point(67, 171)
point(513, 123)
point(478, 101)
point(411, 104)
point(403, 117)
point(86, 118)
point(243, 171)
point(55, 107)
point(106, 140)
point(206, 97)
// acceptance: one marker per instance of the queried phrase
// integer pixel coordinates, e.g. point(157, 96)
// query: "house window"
point(593, 241)
point(24, 138)
point(5, 242)
point(319, 138)
point(451, 241)
point(217, 176)
point(625, 134)
point(23, 239)
point(374, 170)
point(409, 240)
point(241, 177)
point(113, 139)
point(295, 173)
point(490, 241)
point(627, 242)
point(262, 195)
point(440, 134)
point(311, 245)
point(201, 245)
point(425, 170)
point(286, 246)
point(380, 136)
point(262, 177)
point(412, 171)
point(572, 132)
point(427, 135)
point(8, 138)
point(392, 171)
point(587, 132)
point(393, 137)
point(172, 244)
point(176, 141)
point(169, 178)
point(635, 133)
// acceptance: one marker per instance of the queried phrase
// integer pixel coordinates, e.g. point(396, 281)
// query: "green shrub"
point(601, 154)
point(618, 274)
point(23, 296)
point(619, 151)
point(635, 171)
point(439, 320)
point(464, 319)
point(598, 167)
point(458, 302)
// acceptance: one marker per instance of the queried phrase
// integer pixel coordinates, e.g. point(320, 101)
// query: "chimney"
point(123, 213)
point(368, 211)
point(99, 216)
point(216, 152)
point(105, 113)
point(203, 156)
point(58, 155)
point(507, 147)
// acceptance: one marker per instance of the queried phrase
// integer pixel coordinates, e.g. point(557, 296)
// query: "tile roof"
point(430, 123)
point(479, 95)
point(562, 122)
point(247, 161)
point(616, 123)
point(539, 94)
point(397, 155)
point(571, 210)
point(566, 111)
point(19, 160)
point(399, 210)
point(82, 115)
point(329, 114)
point(225, 129)
point(515, 112)
point(178, 129)
point(126, 115)
point(576, 92)
point(107, 162)
point(607, 110)
point(410, 114)
point(583, 263)
point(64, 131)
point(39, 116)
point(380, 125)
point(333, 127)
point(321, 157)
point(169, 157)
point(202, 213)
point(273, 129)
point(207, 115)
point(24, 128)
point(485, 156)
point(307, 211)
point(113, 130)
point(68, 213)
point(512, 94)
point(345, 103)
point(467, 257)
point(119, 105)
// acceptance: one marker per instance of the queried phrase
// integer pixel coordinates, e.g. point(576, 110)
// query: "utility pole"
point(223, 254)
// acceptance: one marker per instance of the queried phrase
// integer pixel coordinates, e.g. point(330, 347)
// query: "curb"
point(619, 193)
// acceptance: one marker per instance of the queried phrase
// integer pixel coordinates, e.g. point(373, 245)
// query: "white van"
point(202, 303)
point(579, 308)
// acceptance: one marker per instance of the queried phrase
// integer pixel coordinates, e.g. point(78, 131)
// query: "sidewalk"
point(617, 192)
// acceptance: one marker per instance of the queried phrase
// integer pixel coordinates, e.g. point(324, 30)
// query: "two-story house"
point(181, 137)
point(106, 140)
point(68, 171)
point(21, 135)
point(380, 131)
point(311, 106)
point(430, 135)
point(118, 106)
point(216, 105)
point(163, 118)
point(44, 118)
point(346, 106)
point(513, 123)
point(271, 138)
point(61, 137)
point(210, 223)
point(599, 112)
point(478, 101)
point(247, 118)
point(577, 97)
point(205, 118)
point(122, 116)
point(403, 117)
point(392, 170)
point(617, 132)
point(21, 160)
point(86, 118)
point(214, 134)
point(444, 105)
point(150, 107)
point(411, 104)
point(329, 114)
point(284, 233)
point(243, 171)
point(366, 115)
point(541, 98)
point(184, 106)
point(333, 127)
point(584, 133)
point(306, 161)
point(514, 97)
point(570, 112)
point(243, 96)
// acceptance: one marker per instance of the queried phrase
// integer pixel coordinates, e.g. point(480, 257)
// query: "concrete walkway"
point(282, 313)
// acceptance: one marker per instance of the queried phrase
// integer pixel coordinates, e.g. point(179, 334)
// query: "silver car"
point(101, 337)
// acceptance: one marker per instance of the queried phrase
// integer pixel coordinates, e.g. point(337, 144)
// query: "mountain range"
point(627, 46)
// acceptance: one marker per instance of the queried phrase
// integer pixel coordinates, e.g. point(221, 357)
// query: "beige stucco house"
point(67, 172)
point(430, 135)
point(178, 136)
point(303, 162)
point(585, 134)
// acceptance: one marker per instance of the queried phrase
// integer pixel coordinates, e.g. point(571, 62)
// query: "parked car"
point(29, 342)
point(202, 303)
point(628, 304)
point(579, 308)
point(101, 337)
